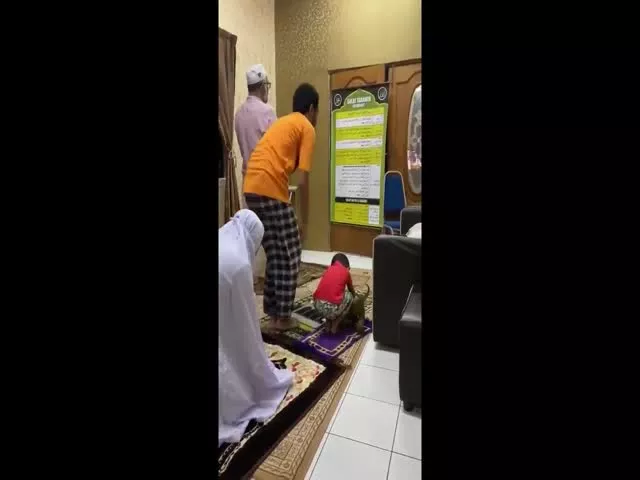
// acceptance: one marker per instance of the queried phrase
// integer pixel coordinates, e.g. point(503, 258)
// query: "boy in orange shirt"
point(285, 147)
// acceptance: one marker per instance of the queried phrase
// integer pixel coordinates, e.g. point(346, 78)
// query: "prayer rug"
point(312, 378)
point(293, 456)
point(310, 332)
point(307, 273)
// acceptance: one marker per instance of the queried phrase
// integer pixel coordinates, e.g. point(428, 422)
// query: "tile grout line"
point(407, 456)
point(329, 432)
point(363, 443)
point(335, 417)
point(395, 430)
point(374, 399)
point(374, 446)
point(361, 396)
point(353, 375)
point(381, 368)
point(319, 455)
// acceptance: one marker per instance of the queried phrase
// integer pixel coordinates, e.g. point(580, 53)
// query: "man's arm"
point(266, 120)
point(271, 118)
point(303, 195)
point(305, 157)
point(243, 152)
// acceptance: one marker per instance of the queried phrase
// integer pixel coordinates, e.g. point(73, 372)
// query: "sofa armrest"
point(396, 267)
point(410, 337)
point(409, 216)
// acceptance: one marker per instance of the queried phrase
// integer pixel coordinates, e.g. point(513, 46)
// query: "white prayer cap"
point(256, 74)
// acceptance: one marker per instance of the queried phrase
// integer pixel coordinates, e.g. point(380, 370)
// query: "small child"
point(335, 293)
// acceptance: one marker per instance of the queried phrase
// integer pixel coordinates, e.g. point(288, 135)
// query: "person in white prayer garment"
point(250, 386)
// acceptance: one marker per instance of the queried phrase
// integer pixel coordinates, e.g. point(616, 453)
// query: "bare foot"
point(273, 324)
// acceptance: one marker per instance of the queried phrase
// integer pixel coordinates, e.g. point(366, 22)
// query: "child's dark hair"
point(342, 258)
point(305, 96)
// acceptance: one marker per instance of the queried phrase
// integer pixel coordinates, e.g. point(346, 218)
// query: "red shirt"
point(333, 283)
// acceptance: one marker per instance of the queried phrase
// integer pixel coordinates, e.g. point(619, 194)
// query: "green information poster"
point(358, 139)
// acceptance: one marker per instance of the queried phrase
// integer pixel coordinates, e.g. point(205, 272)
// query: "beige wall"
point(252, 21)
point(315, 36)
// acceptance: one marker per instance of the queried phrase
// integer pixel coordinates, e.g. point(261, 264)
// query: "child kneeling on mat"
point(335, 293)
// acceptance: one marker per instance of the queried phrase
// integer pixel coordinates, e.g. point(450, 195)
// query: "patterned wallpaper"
point(252, 21)
point(309, 38)
point(315, 36)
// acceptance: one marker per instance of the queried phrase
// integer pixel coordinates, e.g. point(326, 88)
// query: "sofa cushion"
point(410, 338)
point(415, 231)
point(409, 217)
point(412, 312)
point(396, 267)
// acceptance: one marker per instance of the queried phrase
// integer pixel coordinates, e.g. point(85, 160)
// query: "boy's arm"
point(305, 157)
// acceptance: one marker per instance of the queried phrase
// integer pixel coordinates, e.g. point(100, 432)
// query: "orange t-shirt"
point(286, 145)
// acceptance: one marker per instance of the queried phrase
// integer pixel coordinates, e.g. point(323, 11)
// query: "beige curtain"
point(226, 94)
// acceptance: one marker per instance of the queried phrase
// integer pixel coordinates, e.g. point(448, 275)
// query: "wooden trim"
point(340, 70)
point(358, 72)
point(405, 62)
point(387, 65)
point(370, 227)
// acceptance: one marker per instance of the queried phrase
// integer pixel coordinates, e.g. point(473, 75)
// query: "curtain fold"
point(226, 94)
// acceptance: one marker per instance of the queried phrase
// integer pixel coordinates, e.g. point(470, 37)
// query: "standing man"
point(287, 146)
point(254, 116)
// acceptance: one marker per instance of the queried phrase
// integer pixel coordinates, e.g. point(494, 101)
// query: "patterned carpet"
point(305, 372)
point(293, 455)
point(304, 292)
point(307, 273)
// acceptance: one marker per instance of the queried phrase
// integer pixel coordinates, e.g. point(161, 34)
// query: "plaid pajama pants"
point(281, 243)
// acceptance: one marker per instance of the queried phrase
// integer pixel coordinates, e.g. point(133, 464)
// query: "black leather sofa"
point(397, 267)
point(410, 336)
point(397, 302)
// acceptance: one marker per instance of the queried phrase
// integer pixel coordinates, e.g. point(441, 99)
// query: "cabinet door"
point(405, 128)
point(350, 238)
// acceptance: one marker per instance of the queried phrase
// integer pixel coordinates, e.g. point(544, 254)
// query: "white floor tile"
point(324, 258)
point(367, 421)
point(315, 458)
point(319, 258)
point(367, 340)
point(377, 355)
point(376, 383)
point(409, 435)
point(365, 263)
point(335, 414)
point(404, 468)
point(343, 459)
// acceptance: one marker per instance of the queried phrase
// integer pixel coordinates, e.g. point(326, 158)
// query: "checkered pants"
point(282, 247)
